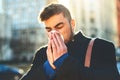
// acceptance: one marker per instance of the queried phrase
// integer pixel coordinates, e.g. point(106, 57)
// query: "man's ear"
point(73, 24)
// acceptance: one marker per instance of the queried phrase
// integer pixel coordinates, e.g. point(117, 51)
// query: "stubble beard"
point(71, 38)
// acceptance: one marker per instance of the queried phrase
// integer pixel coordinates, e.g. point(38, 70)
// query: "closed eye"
point(59, 25)
point(48, 29)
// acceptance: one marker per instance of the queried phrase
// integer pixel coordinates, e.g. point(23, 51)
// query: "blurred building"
point(26, 41)
point(2, 21)
point(19, 24)
point(5, 33)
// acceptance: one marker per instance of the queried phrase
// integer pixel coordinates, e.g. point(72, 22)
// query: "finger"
point(56, 48)
point(49, 35)
point(59, 39)
point(53, 46)
point(49, 53)
point(49, 48)
point(62, 47)
point(55, 41)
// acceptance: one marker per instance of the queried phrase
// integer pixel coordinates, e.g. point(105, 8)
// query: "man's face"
point(62, 25)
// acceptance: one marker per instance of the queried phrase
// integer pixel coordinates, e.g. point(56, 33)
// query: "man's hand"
point(56, 47)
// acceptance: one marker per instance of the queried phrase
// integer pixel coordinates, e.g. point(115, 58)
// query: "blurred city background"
point(21, 34)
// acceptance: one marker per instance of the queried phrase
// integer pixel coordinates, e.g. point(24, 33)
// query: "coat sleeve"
point(36, 71)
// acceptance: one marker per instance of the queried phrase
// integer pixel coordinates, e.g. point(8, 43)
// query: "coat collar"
point(78, 38)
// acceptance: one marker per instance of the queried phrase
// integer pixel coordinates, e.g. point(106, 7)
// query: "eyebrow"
point(55, 25)
point(58, 24)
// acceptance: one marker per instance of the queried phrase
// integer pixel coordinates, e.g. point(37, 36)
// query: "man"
point(64, 57)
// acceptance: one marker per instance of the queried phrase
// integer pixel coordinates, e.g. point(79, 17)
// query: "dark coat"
point(103, 62)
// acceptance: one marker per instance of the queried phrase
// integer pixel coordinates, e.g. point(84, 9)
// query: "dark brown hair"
point(54, 9)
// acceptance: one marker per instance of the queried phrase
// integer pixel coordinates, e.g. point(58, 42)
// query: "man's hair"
point(54, 9)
